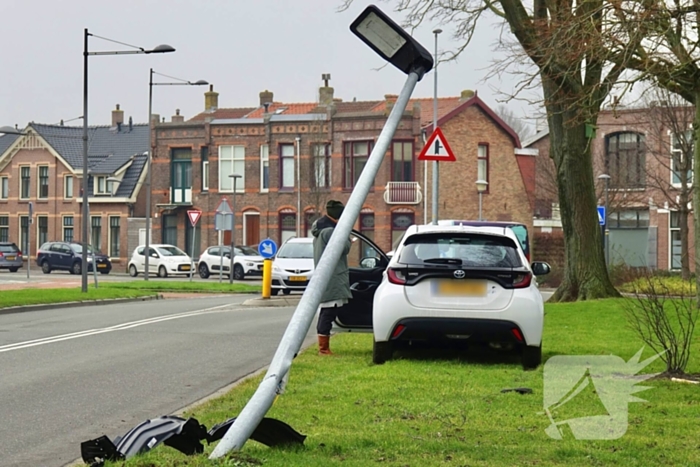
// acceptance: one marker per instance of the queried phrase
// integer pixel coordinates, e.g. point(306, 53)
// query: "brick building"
point(45, 167)
point(638, 148)
point(322, 147)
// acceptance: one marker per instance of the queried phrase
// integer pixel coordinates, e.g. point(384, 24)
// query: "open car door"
point(367, 263)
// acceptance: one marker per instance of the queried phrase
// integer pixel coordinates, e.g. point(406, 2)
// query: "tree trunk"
point(586, 275)
point(696, 191)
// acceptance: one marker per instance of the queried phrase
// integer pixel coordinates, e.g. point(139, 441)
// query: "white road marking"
point(118, 327)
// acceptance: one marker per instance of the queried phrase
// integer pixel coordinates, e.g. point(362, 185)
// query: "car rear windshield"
point(8, 248)
point(171, 251)
point(246, 250)
point(469, 250)
point(296, 250)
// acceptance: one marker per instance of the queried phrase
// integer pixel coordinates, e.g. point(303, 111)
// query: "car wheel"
point(14, 269)
point(381, 352)
point(133, 272)
point(203, 271)
point(286, 291)
point(77, 268)
point(531, 357)
point(274, 291)
point(238, 273)
point(104, 272)
point(46, 267)
point(162, 272)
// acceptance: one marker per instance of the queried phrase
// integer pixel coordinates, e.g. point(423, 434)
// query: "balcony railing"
point(402, 193)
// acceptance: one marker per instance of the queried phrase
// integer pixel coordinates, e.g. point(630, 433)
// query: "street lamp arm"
point(188, 83)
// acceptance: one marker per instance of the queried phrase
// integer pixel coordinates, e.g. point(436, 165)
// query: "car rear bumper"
point(457, 329)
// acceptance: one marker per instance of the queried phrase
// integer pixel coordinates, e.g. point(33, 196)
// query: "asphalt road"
point(70, 375)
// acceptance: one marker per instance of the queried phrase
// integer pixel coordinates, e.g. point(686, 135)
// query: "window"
point(25, 179)
point(355, 155)
point(309, 218)
point(24, 234)
point(287, 165)
point(482, 164)
point(402, 161)
point(625, 160)
point(43, 191)
point(181, 175)
point(674, 235)
point(68, 229)
point(288, 225)
point(68, 187)
point(114, 237)
point(100, 187)
point(204, 153)
point(170, 230)
point(4, 187)
point(4, 228)
point(367, 229)
point(231, 161)
point(96, 232)
point(633, 219)
point(42, 234)
point(681, 157)
point(321, 176)
point(400, 221)
point(264, 168)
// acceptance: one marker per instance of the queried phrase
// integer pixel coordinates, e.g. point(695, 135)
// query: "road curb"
point(53, 306)
point(272, 301)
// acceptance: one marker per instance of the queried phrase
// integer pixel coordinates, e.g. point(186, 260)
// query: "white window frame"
point(100, 189)
point(205, 176)
point(264, 163)
point(25, 252)
point(38, 233)
point(324, 170)
point(38, 181)
point(67, 195)
point(5, 227)
point(109, 235)
point(92, 235)
point(4, 187)
point(236, 157)
point(64, 227)
point(29, 183)
point(286, 167)
point(670, 242)
point(672, 136)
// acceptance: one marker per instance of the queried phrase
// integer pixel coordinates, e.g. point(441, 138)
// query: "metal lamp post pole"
point(607, 232)
point(298, 164)
point(480, 196)
point(232, 271)
point(436, 174)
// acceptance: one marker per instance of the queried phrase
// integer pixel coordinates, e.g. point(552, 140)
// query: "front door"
point(252, 228)
point(367, 263)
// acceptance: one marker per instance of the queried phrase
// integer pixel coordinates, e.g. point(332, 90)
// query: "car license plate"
point(185, 267)
point(297, 278)
point(10, 258)
point(461, 288)
point(101, 265)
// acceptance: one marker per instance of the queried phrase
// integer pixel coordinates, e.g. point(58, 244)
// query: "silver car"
point(10, 256)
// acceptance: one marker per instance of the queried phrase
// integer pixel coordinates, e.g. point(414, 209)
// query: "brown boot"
point(323, 345)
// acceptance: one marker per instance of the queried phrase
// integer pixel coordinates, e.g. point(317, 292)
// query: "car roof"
point(432, 228)
point(480, 223)
point(300, 240)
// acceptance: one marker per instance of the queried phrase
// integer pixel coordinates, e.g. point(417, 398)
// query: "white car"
point(247, 262)
point(164, 260)
point(448, 283)
point(293, 266)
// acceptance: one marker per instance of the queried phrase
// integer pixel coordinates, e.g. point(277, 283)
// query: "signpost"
point(29, 238)
point(221, 223)
point(267, 249)
point(194, 218)
point(436, 149)
point(602, 221)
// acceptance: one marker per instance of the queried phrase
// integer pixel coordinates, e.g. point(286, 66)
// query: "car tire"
point(274, 291)
point(77, 268)
point(531, 357)
point(286, 291)
point(133, 272)
point(14, 269)
point(203, 271)
point(162, 272)
point(104, 272)
point(46, 267)
point(238, 273)
point(382, 352)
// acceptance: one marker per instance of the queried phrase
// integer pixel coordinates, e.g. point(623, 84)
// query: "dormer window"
point(101, 186)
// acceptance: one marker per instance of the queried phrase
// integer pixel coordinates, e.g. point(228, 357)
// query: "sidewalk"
point(287, 300)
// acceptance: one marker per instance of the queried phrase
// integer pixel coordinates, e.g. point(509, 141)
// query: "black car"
point(10, 256)
point(67, 256)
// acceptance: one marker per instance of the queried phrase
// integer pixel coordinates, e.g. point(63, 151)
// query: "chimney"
point(177, 118)
point(266, 97)
point(131, 124)
point(155, 119)
point(117, 117)
point(467, 94)
point(211, 99)
point(390, 101)
point(325, 92)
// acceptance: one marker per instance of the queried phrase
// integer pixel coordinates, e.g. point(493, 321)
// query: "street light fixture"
point(606, 232)
point(481, 186)
point(231, 271)
point(179, 82)
point(8, 130)
point(163, 48)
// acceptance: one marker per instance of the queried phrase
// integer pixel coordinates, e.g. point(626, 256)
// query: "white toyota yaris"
point(449, 283)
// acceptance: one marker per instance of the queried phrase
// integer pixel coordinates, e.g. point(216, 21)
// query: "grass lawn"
point(46, 296)
point(446, 408)
point(160, 285)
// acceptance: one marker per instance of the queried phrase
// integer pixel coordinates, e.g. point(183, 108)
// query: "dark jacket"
point(339, 286)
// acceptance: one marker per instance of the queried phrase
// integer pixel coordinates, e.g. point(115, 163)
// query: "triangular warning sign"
point(437, 149)
point(194, 216)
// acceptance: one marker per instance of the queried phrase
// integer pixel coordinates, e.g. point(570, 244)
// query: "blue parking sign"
point(267, 248)
point(601, 215)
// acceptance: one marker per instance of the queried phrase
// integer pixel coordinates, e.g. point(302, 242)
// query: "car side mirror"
point(369, 263)
point(227, 255)
point(154, 255)
point(540, 268)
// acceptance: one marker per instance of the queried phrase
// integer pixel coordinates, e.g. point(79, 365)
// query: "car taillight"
point(396, 277)
point(399, 329)
point(1, 254)
point(518, 335)
point(522, 281)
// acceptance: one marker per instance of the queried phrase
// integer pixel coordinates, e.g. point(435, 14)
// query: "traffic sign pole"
point(194, 218)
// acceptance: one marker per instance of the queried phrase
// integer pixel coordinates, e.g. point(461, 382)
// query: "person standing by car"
point(337, 291)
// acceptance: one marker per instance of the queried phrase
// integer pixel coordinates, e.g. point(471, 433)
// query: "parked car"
point(164, 260)
point(447, 283)
point(247, 262)
point(10, 256)
point(293, 266)
point(68, 256)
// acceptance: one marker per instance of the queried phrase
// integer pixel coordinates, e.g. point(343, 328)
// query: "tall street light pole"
point(180, 82)
point(298, 164)
point(436, 174)
point(606, 232)
point(232, 270)
point(84, 217)
point(481, 186)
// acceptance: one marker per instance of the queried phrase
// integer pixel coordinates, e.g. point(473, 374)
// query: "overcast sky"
point(242, 47)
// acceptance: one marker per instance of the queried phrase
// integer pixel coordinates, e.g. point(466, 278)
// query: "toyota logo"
point(459, 274)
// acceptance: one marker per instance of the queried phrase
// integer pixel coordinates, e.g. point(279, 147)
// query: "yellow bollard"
point(267, 278)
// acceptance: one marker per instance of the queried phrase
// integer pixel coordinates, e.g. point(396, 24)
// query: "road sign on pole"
point(267, 248)
point(194, 217)
point(437, 149)
point(601, 215)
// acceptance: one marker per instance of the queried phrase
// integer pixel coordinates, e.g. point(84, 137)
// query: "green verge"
point(430, 408)
point(668, 285)
point(9, 298)
point(181, 286)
